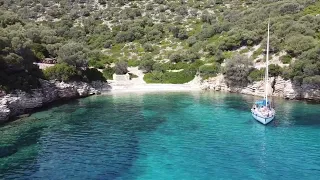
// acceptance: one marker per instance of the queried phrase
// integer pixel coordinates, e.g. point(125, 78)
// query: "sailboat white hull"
point(262, 119)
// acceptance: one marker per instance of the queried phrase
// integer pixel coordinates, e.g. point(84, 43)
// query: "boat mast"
point(267, 65)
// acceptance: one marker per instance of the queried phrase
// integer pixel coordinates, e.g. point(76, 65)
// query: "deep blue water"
point(163, 136)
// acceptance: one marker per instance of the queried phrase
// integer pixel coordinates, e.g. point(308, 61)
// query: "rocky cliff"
point(278, 87)
point(20, 102)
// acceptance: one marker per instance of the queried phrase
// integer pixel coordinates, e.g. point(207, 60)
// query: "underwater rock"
point(6, 151)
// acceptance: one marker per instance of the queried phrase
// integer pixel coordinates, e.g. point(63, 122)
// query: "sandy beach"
point(139, 85)
point(151, 88)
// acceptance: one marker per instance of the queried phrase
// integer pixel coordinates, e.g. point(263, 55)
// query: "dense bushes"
point(259, 74)
point(65, 72)
point(61, 72)
point(146, 65)
point(73, 54)
point(207, 71)
point(237, 70)
point(275, 70)
point(133, 63)
point(12, 79)
point(163, 72)
point(307, 68)
point(174, 32)
point(256, 75)
point(99, 60)
point(93, 74)
point(181, 77)
point(108, 73)
point(296, 44)
point(17, 70)
point(286, 59)
point(312, 80)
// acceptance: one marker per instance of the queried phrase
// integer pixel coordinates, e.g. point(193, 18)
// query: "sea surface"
point(196, 135)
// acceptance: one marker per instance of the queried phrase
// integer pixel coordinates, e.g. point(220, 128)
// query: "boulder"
point(66, 91)
point(4, 113)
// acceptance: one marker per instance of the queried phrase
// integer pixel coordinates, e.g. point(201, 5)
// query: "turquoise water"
point(163, 136)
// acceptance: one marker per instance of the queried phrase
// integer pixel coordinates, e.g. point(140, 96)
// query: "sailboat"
point(262, 110)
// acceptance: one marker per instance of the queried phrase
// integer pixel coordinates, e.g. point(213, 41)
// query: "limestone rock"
point(286, 89)
point(310, 92)
point(278, 87)
point(216, 83)
point(19, 102)
point(49, 91)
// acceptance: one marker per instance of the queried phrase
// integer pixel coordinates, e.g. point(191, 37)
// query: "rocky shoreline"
point(19, 102)
point(278, 87)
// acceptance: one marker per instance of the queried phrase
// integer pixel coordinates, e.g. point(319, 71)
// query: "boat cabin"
point(261, 104)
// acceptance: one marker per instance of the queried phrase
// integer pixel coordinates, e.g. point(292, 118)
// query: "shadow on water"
point(238, 102)
point(7, 150)
point(122, 165)
point(108, 130)
point(25, 139)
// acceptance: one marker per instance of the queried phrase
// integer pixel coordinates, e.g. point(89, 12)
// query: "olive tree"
point(297, 44)
point(121, 67)
point(73, 54)
point(237, 70)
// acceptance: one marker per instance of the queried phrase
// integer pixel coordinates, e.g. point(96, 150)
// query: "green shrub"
point(257, 53)
point(244, 51)
point(61, 72)
point(108, 73)
point(170, 77)
point(286, 59)
point(96, 64)
point(99, 60)
point(296, 44)
point(92, 74)
point(179, 65)
point(153, 77)
point(148, 47)
point(274, 70)
point(22, 80)
point(73, 54)
point(313, 9)
point(256, 75)
point(315, 80)
point(133, 76)
point(133, 63)
point(40, 51)
point(146, 65)
point(176, 57)
point(160, 67)
point(207, 71)
point(286, 73)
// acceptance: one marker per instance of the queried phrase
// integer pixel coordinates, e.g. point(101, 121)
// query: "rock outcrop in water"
point(278, 87)
point(20, 102)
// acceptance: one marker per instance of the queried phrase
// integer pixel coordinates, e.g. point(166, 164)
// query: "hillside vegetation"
point(170, 40)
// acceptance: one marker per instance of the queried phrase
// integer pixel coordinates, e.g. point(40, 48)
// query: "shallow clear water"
point(163, 136)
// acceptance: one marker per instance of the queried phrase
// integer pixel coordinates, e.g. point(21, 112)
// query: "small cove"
point(189, 135)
